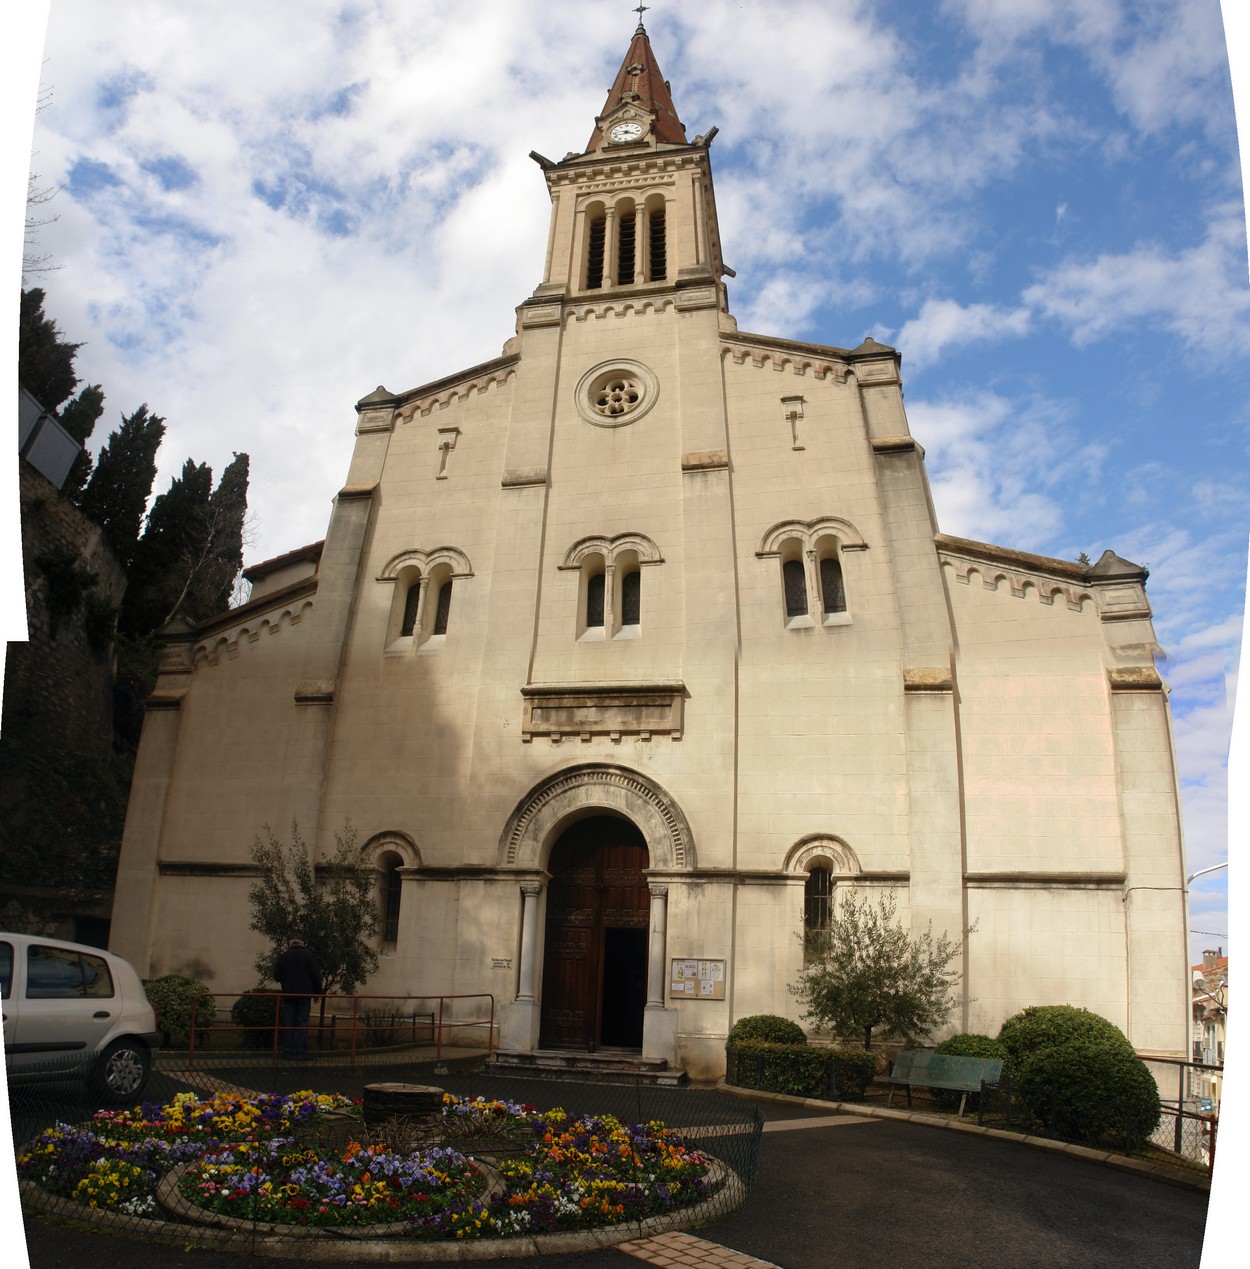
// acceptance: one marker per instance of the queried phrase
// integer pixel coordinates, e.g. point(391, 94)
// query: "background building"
point(628, 648)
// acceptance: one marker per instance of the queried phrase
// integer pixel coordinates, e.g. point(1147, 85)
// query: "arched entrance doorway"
point(595, 961)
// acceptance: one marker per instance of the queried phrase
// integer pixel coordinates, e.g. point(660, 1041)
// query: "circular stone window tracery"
point(614, 393)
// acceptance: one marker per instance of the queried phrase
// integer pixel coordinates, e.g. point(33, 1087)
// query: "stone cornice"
point(784, 354)
point(1045, 576)
point(441, 392)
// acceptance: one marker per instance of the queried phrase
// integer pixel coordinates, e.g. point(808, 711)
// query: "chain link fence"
point(1181, 1136)
point(225, 1151)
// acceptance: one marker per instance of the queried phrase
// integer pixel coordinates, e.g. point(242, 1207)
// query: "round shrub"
point(175, 997)
point(769, 1027)
point(966, 1044)
point(257, 1011)
point(1044, 1026)
point(1091, 1089)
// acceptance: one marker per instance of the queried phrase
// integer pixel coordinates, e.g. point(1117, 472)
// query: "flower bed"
point(243, 1159)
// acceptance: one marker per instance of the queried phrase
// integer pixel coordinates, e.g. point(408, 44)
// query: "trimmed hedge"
point(173, 997)
point(1046, 1026)
point(256, 1010)
point(769, 1027)
point(799, 1069)
point(1090, 1089)
point(966, 1044)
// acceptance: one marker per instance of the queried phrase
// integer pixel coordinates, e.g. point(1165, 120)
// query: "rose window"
point(616, 395)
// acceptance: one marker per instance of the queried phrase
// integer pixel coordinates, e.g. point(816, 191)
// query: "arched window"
point(596, 243)
point(818, 897)
point(813, 583)
point(631, 597)
point(594, 600)
point(411, 600)
point(626, 243)
point(794, 577)
point(609, 589)
point(391, 891)
point(657, 249)
point(443, 611)
point(832, 587)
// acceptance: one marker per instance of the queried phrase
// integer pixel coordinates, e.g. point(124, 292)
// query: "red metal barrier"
point(355, 1021)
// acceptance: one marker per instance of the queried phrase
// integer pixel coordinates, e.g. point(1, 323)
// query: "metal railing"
point(351, 1023)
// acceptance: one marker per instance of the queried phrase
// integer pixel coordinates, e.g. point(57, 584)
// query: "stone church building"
point(630, 650)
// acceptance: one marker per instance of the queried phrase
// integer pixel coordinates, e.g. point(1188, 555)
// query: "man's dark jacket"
point(298, 973)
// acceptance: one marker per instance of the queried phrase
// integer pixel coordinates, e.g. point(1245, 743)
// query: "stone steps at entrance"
point(609, 1066)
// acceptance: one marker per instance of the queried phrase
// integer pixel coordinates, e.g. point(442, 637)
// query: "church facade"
point(630, 651)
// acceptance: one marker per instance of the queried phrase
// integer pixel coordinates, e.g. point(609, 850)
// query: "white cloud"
point(947, 324)
point(1199, 294)
point(998, 466)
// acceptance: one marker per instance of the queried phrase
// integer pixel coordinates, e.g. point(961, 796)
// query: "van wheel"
point(121, 1072)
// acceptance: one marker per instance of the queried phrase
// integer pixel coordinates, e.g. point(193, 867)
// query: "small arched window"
point(832, 587)
point(596, 242)
point(594, 600)
point(818, 898)
point(443, 611)
point(631, 597)
point(411, 600)
point(626, 243)
point(794, 577)
point(657, 252)
point(392, 891)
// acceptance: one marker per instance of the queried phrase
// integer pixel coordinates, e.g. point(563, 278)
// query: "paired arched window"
point(609, 594)
point(421, 607)
point(626, 243)
point(813, 580)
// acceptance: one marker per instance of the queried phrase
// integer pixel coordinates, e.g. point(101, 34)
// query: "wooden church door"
point(595, 960)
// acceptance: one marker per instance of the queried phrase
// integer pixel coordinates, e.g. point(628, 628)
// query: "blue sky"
point(268, 210)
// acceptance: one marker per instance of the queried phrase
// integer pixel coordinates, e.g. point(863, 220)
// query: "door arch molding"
point(588, 788)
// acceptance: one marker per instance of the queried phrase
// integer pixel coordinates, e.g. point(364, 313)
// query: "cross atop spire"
point(640, 82)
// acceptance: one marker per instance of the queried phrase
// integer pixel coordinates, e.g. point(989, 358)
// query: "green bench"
point(917, 1068)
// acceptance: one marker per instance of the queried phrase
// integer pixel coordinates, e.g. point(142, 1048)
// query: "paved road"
point(837, 1190)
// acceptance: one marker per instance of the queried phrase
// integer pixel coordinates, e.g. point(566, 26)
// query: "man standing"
point(299, 976)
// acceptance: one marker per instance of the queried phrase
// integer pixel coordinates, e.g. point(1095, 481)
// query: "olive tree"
point(329, 904)
point(865, 971)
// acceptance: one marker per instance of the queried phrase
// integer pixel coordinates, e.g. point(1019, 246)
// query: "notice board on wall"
point(696, 979)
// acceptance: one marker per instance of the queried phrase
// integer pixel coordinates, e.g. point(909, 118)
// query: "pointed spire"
point(640, 82)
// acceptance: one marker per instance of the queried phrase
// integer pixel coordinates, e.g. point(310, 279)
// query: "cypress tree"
point(118, 491)
point(45, 362)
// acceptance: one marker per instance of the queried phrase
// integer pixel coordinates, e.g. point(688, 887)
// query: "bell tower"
point(635, 211)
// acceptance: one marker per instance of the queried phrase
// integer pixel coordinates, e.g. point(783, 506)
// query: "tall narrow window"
point(631, 598)
point(832, 587)
point(594, 600)
point(818, 898)
point(392, 889)
point(795, 578)
point(817, 909)
point(444, 608)
point(626, 237)
point(659, 266)
point(594, 254)
point(410, 608)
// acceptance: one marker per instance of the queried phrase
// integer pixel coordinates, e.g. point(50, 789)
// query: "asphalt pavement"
point(832, 1189)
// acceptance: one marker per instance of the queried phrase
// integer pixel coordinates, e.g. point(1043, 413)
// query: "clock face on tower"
point(625, 132)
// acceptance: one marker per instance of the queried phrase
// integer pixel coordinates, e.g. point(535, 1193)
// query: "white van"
point(63, 999)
